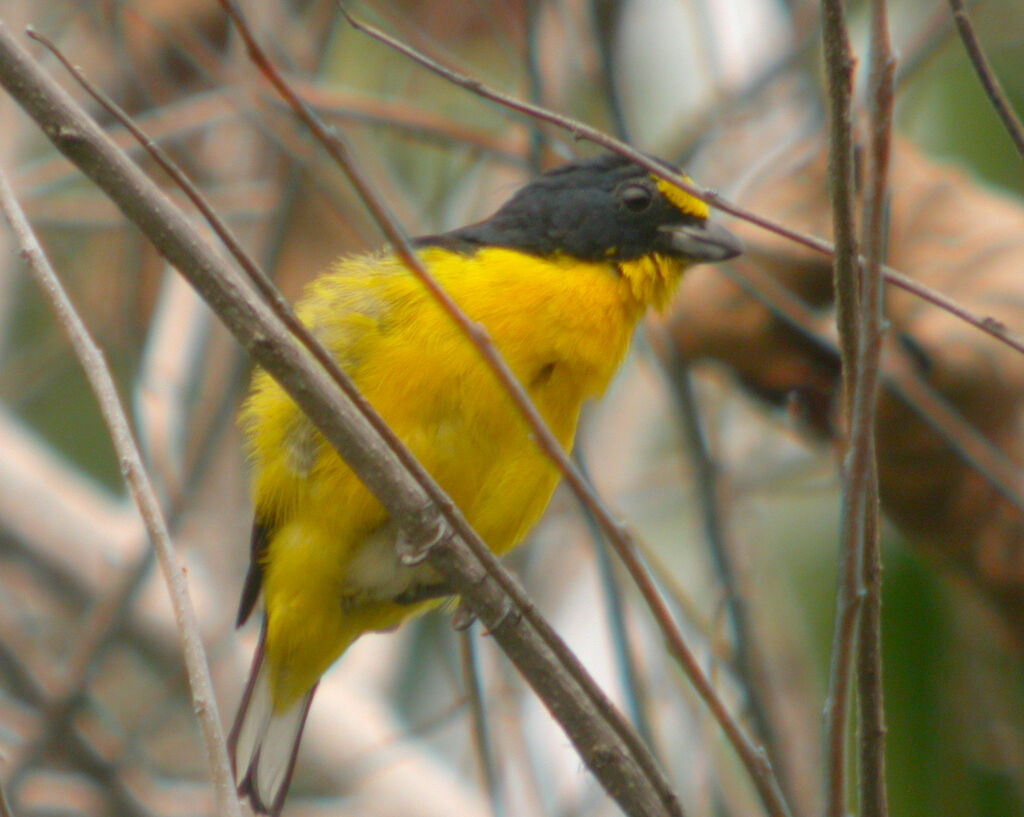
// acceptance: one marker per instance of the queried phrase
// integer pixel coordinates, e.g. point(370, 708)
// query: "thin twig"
point(91, 358)
point(581, 131)
point(300, 331)
point(747, 659)
point(881, 81)
point(839, 67)
point(475, 575)
point(633, 689)
point(478, 712)
point(989, 80)
point(753, 759)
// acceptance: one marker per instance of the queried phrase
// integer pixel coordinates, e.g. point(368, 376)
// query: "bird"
point(559, 277)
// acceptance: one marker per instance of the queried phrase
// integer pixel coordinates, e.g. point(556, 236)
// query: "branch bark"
point(102, 382)
point(871, 739)
point(839, 69)
point(987, 76)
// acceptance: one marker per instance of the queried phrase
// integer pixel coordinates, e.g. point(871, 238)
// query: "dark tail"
point(264, 743)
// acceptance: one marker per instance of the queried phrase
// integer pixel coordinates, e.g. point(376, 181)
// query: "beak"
point(703, 242)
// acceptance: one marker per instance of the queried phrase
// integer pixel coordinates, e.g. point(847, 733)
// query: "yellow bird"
point(559, 276)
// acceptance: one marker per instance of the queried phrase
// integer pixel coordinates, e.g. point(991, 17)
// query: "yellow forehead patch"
point(688, 204)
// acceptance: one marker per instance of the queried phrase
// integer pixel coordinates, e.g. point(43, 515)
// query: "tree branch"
point(475, 574)
point(839, 68)
point(869, 649)
point(989, 80)
point(580, 130)
point(200, 684)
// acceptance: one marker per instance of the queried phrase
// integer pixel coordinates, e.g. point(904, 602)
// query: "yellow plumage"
point(561, 325)
point(559, 288)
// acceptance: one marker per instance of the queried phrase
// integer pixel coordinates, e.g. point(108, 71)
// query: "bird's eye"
point(636, 197)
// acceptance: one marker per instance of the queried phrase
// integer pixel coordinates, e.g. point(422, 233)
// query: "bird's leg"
point(413, 549)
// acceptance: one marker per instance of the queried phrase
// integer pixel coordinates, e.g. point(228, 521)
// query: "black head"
point(602, 209)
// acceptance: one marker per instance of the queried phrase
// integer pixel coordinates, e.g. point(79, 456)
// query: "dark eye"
point(636, 198)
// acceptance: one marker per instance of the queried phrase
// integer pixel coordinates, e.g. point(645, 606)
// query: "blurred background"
point(718, 442)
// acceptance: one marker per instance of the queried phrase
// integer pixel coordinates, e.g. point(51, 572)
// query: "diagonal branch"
point(102, 382)
point(283, 310)
point(989, 80)
point(756, 763)
point(582, 131)
point(471, 572)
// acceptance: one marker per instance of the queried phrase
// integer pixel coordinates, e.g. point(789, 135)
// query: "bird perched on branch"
point(559, 277)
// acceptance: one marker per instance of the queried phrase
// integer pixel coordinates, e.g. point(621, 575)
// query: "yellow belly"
point(562, 329)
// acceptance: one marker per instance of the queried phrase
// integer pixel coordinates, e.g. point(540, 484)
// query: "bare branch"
point(989, 80)
point(579, 130)
point(755, 761)
point(839, 68)
point(91, 358)
point(862, 476)
point(262, 333)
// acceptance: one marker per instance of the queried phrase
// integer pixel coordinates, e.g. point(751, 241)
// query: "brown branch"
point(839, 67)
point(747, 658)
point(757, 764)
point(300, 331)
point(267, 339)
point(881, 81)
point(102, 383)
point(580, 131)
point(989, 80)
point(621, 538)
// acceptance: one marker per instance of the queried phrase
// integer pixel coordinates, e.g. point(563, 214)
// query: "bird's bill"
point(703, 242)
